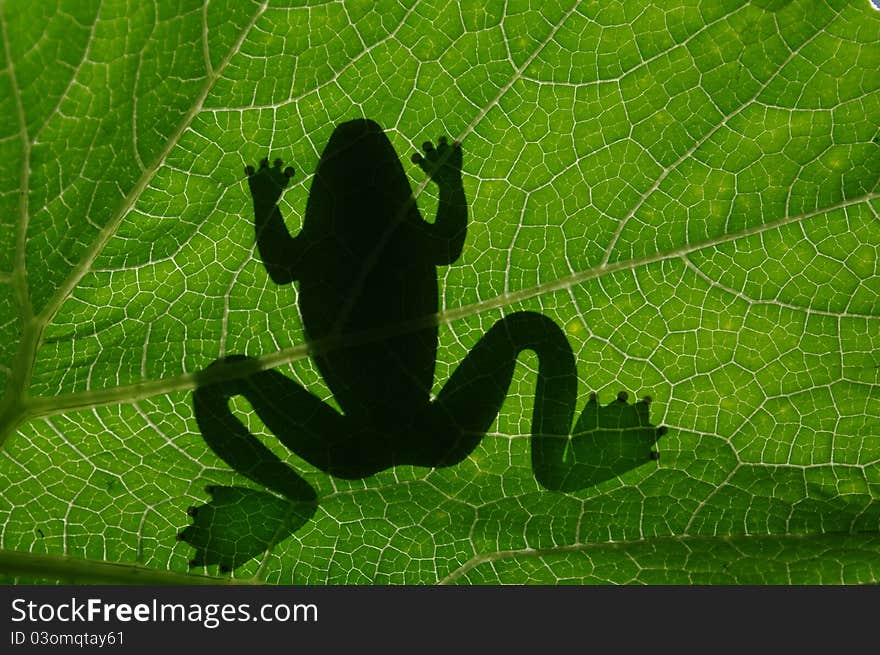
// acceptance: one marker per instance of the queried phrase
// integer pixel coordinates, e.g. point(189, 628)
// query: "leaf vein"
point(46, 406)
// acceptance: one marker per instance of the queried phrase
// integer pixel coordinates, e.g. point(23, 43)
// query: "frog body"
point(373, 267)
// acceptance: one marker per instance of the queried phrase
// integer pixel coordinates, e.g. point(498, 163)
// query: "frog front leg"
point(605, 442)
point(444, 238)
point(281, 253)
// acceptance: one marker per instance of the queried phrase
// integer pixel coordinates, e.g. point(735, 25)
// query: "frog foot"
point(267, 183)
point(239, 524)
point(619, 417)
point(442, 163)
point(609, 440)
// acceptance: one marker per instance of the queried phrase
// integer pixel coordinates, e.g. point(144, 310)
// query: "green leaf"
point(690, 192)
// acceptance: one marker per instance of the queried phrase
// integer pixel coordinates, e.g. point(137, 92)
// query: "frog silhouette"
point(366, 264)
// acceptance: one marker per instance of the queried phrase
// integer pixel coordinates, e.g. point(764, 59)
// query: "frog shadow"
point(366, 266)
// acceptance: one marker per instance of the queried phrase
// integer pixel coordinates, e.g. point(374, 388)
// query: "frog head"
point(360, 185)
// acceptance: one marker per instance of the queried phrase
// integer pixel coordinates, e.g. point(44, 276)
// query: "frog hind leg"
point(302, 422)
point(239, 523)
point(231, 440)
point(466, 407)
point(606, 442)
